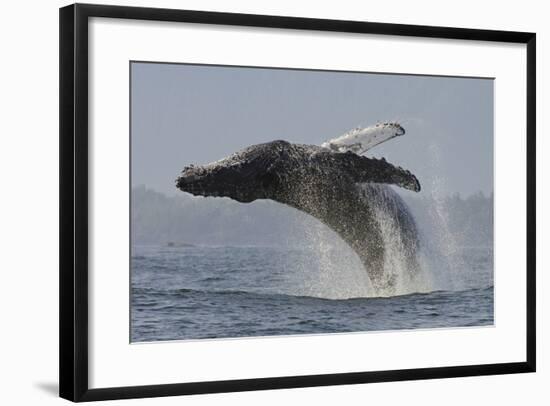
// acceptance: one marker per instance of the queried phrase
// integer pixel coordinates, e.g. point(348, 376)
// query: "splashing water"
point(332, 270)
point(445, 252)
point(335, 271)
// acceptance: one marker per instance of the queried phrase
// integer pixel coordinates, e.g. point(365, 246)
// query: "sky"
point(195, 114)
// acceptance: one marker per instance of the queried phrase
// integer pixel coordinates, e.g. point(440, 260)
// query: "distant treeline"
point(183, 219)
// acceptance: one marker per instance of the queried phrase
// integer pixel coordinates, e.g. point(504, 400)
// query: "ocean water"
point(202, 292)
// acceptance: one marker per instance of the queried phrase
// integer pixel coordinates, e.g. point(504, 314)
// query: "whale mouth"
point(209, 181)
point(205, 189)
point(194, 180)
point(197, 185)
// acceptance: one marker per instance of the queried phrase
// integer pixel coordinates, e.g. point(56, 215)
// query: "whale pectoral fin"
point(381, 171)
point(398, 176)
point(372, 170)
point(360, 140)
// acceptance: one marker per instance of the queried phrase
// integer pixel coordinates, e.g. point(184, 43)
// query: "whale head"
point(244, 176)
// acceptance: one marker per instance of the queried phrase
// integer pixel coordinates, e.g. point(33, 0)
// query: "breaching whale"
point(346, 191)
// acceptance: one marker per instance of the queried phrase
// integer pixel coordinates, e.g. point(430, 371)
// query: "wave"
point(431, 297)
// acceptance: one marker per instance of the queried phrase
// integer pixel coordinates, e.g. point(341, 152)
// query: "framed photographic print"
point(242, 193)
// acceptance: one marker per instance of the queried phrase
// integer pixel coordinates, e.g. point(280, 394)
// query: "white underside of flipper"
point(359, 140)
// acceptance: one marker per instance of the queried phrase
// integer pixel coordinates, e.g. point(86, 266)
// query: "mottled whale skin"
point(347, 192)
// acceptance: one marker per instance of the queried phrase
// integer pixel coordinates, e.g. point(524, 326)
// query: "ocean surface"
point(190, 292)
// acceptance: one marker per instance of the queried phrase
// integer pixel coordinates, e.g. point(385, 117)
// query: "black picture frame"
point(73, 254)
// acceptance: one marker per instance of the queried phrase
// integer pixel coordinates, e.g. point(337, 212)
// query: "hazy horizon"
point(183, 114)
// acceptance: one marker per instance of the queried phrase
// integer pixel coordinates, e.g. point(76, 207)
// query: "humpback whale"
point(346, 191)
